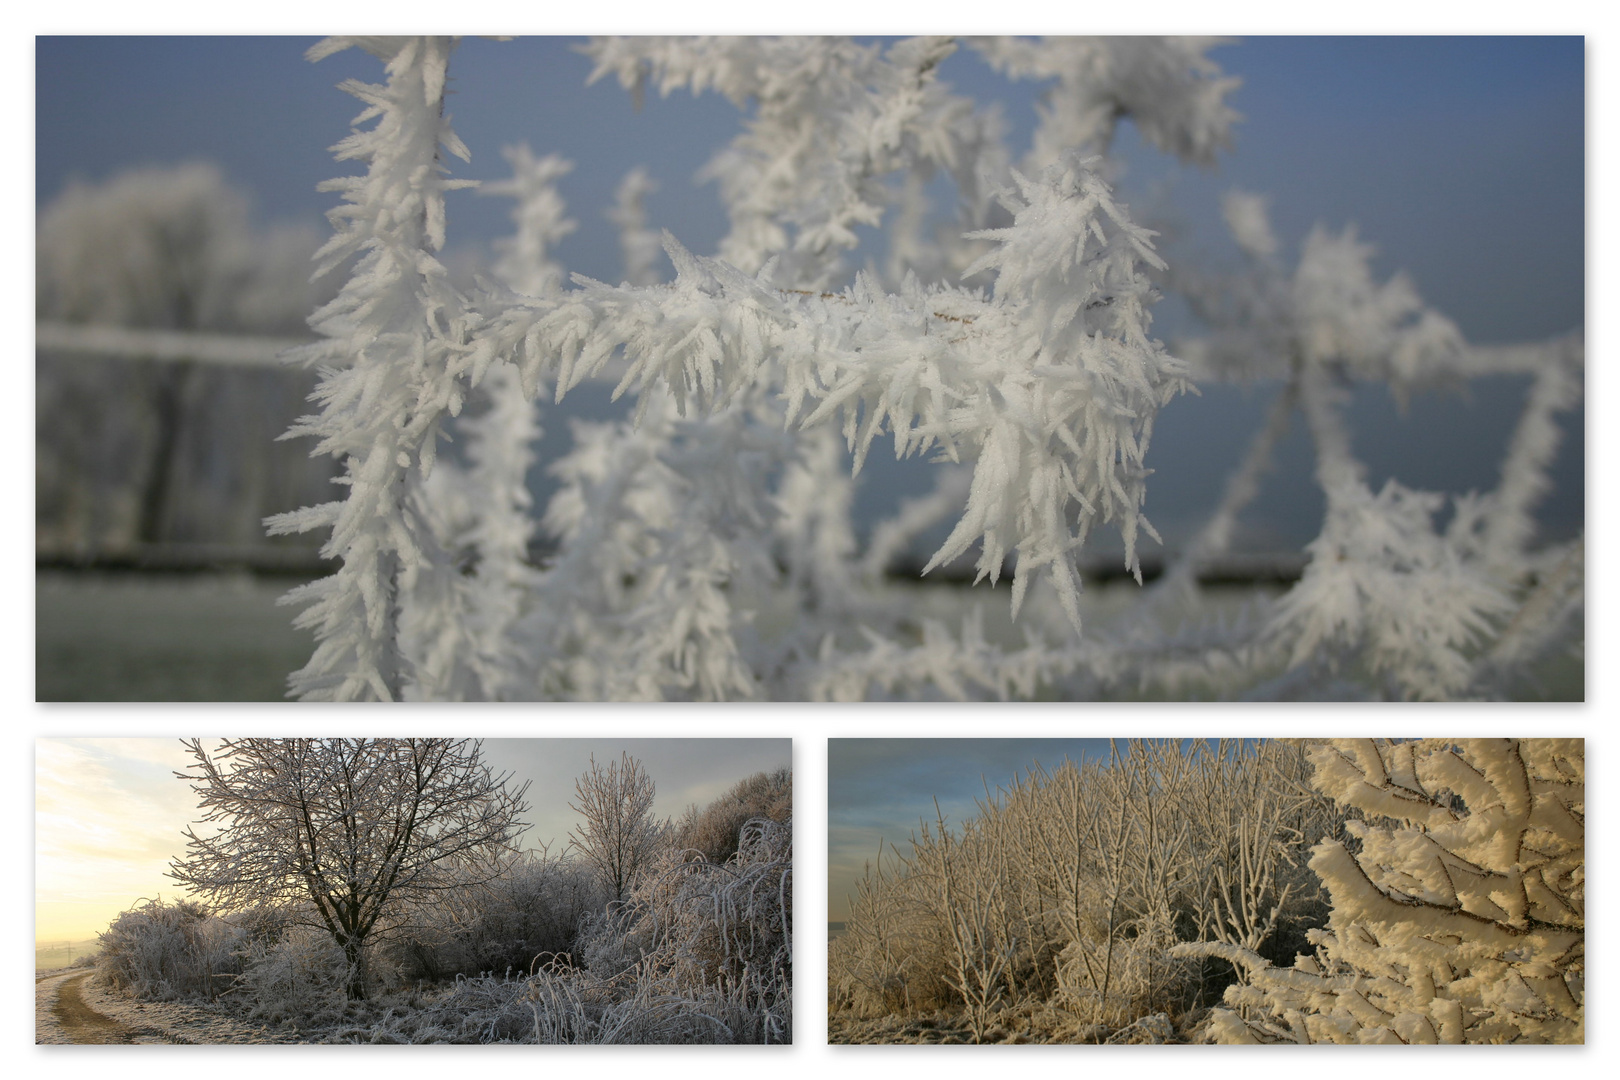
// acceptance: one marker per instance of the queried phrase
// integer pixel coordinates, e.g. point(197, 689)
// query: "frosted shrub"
point(716, 937)
point(716, 831)
point(1461, 918)
point(301, 977)
point(164, 952)
point(512, 923)
point(706, 549)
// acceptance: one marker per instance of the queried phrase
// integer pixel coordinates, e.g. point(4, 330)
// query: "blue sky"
point(1461, 159)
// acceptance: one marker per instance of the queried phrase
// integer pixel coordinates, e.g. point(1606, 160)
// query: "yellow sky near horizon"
point(110, 815)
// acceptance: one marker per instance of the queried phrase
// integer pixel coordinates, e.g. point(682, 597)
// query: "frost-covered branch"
point(1167, 86)
point(705, 548)
point(1463, 920)
point(1050, 385)
point(831, 119)
point(640, 245)
point(391, 373)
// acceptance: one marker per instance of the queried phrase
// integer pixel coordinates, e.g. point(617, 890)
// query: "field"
point(59, 954)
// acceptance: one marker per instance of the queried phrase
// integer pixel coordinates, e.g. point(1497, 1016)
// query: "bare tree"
point(619, 837)
point(353, 828)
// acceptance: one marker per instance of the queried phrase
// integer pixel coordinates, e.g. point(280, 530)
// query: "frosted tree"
point(617, 835)
point(168, 248)
point(344, 831)
point(1461, 918)
point(165, 248)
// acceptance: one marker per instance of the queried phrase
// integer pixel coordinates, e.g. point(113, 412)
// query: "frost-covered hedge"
point(1070, 886)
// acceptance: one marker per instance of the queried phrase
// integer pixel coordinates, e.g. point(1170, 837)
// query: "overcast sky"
point(1461, 159)
point(109, 813)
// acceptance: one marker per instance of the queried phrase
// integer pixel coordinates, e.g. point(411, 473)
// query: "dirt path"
point(62, 1015)
point(69, 1008)
point(81, 1023)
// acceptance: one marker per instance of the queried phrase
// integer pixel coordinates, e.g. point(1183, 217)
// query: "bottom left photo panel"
point(390, 891)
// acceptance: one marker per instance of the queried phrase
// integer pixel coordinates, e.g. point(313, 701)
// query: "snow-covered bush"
point(299, 976)
point(717, 937)
point(699, 953)
point(1460, 915)
point(706, 549)
point(259, 961)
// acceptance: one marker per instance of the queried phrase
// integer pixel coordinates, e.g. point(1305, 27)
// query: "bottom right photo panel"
point(1109, 891)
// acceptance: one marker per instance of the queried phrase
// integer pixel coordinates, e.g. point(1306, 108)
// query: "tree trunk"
point(354, 957)
point(171, 382)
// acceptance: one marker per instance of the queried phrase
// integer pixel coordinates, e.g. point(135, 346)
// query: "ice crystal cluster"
point(1462, 916)
point(705, 547)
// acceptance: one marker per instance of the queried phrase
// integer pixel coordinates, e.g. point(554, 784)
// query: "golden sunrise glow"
point(108, 815)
